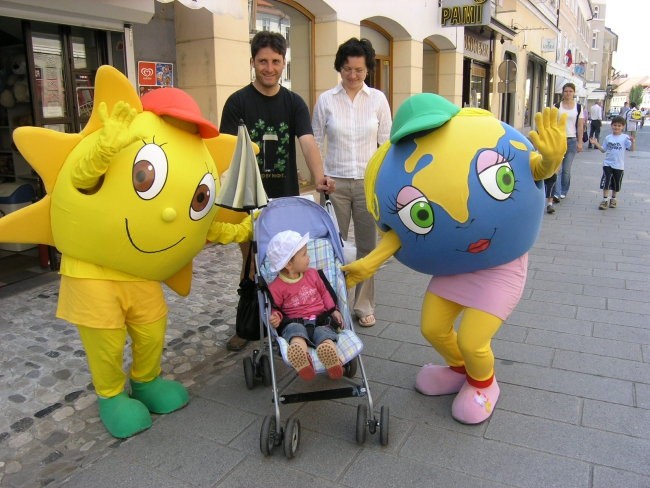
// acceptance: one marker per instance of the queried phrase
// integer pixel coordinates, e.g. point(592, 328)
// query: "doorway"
point(47, 73)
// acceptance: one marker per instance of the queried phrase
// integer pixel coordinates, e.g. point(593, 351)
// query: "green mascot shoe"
point(160, 395)
point(123, 416)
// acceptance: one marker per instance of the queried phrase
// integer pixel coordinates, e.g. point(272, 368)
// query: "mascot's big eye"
point(203, 198)
point(149, 171)
point(498, 180)
point(417, 215)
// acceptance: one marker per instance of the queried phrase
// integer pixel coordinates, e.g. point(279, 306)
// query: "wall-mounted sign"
point(455, 13)
point(548, 45)
point(476, 48)
point(152, 75)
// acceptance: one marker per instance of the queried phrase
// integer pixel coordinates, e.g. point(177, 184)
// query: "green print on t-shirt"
point(273, 144)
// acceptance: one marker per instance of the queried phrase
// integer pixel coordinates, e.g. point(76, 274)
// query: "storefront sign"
point(152, 75)
point(455, 13)
point(476, 48)
point(548, 45)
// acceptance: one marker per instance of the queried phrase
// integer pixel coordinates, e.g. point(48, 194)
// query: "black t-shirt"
point(273, 124)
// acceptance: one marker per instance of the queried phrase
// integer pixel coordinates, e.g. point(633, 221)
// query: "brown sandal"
point(301, 362)
point(328, 355)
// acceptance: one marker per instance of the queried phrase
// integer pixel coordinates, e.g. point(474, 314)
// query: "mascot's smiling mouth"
point(128, 233)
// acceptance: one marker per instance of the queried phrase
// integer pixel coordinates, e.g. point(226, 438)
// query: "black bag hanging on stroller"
point(247, 323)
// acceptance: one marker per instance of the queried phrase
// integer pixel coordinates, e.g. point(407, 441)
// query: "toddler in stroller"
point(303, 309)
point(298, 224)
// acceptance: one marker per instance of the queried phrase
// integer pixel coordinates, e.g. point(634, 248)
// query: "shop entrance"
point(47, 73)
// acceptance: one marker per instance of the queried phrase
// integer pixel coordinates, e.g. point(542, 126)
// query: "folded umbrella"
point(242, 188)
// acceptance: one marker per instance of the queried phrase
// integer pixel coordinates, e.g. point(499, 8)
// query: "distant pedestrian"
point(614, 147)
point(633, 122)
point(596, 120)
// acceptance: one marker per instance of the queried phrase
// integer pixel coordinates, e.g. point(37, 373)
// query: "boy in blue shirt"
point(614, 147)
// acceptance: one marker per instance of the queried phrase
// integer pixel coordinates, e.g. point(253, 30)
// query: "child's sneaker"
point(329, 356)
point(603, 205)
point(301, 362)
point(612, 203)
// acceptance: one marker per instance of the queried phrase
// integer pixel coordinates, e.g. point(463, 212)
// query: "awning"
point(104, 15)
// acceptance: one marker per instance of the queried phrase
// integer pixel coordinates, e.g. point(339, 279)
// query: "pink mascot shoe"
point(474, 405)
point(433, 379)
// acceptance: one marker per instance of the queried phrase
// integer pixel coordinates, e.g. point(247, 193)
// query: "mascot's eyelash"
point(153, 141)
point(507, 155)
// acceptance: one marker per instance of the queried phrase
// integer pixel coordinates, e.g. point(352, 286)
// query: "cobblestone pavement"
point(49, 424)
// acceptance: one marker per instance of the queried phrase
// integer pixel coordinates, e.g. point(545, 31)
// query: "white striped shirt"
point(353, 129)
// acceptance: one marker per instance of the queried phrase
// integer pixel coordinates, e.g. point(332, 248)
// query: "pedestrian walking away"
point(595, 122)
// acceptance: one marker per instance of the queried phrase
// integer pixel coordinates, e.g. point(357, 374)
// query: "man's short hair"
point(618, 120)
point(274, 40)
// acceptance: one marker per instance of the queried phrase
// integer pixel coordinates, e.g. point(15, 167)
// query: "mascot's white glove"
point(550, 140)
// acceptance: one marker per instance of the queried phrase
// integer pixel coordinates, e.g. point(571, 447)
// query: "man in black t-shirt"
point(274, 117)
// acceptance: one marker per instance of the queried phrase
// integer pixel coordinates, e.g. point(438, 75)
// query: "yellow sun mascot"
point(130, 202)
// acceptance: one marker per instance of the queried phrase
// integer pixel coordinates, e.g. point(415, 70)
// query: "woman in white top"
point(558, 188)
point(354, 119)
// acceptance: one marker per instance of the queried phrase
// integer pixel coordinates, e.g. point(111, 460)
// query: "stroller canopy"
point(297, 214)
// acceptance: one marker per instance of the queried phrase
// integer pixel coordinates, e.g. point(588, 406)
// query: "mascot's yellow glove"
point(114, 136)
point(550, 140)
point(224, 233)
point(364, 268)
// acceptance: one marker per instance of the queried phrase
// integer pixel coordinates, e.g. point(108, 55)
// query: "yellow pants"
point(105, 352)
point(470, 347)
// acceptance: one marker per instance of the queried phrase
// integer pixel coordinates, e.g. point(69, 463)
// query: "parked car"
point(613, 112)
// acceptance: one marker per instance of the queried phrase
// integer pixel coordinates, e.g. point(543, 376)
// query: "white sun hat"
point(283, 246)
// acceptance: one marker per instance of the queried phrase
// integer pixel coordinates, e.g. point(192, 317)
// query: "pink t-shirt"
point(494, 290)
point(306, 298)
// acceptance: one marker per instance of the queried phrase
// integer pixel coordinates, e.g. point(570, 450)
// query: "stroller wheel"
point(383, 426)
point(291, 437)
point(268, 435)
point(249, 373)
point(350, 368)
point(265, 367)
point(362, 422)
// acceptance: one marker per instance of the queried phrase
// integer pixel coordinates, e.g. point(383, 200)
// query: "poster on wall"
point(154, 74)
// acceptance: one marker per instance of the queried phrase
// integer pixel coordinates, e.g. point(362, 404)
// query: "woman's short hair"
point(355, 48)
point(569, 85)
point(274, 40)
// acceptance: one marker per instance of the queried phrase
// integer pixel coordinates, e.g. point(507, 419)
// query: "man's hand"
point(327, 185)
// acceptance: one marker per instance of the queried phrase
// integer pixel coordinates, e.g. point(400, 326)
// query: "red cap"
point(174, 102)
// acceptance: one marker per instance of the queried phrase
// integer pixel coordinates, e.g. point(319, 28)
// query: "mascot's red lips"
point(479, 246)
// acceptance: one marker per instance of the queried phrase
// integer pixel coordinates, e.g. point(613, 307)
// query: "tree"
point(636, 95)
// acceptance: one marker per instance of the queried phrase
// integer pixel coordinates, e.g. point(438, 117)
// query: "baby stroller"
point(325, 252)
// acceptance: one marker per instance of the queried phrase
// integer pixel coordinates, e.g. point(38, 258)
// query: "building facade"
point(510, 57)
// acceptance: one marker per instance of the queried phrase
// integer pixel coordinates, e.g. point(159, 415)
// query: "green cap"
point(421, 112)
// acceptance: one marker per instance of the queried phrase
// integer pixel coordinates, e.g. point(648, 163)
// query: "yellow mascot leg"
point(122, 416)
point(437, 325)
point(475, 334)
point(158, 394)
point(477, 397)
